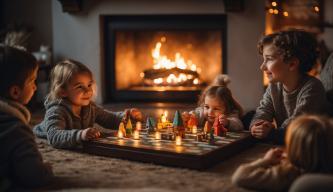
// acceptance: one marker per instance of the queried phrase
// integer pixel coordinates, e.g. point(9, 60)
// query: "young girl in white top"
point(216, 101)
point(308, 149)
point(70, 112)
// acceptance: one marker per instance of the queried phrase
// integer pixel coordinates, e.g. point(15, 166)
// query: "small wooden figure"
point(193, 121)
point(206, 128)
point(178, 125)
point(150, 125)
point(122, 128)
point(129, 128)
point(219, 129)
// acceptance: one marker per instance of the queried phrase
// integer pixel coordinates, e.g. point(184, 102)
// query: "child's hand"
point(136, 114)
point(274, 155)
point(261, 129)
point(90, 133)
point(223, 120)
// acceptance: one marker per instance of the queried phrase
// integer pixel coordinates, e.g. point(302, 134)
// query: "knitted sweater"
point(281, 106)
point(260, 175)
point(63, 129)
point(21, 164)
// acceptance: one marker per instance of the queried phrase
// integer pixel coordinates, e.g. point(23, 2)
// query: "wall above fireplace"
point(79, 36)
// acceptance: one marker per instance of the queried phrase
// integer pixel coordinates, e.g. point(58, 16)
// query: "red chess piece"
point(192, 121)
point(219, 128)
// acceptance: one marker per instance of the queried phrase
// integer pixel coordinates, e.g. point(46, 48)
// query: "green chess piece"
point(150, 125)
point(129, 127)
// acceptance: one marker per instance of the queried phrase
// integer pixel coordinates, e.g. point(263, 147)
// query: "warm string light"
point(275, 8)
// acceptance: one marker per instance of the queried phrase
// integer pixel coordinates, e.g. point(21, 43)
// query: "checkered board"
point(190, 154)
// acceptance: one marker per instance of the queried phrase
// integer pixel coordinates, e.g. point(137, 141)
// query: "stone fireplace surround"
point(78, 36)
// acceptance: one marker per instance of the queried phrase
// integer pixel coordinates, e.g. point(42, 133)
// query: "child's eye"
point(206, 107)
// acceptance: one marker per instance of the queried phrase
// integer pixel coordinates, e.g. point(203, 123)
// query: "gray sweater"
point(281, 106)
point(260, 175)
point(63, 129)
point(21, 164)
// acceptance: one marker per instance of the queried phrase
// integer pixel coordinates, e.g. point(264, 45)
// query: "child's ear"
point(15, 92)
point(293, 64)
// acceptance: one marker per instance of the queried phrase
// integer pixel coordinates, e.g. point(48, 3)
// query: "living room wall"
point(77, 36)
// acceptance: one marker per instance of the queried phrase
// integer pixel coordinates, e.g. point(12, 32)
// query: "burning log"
point(171, 77)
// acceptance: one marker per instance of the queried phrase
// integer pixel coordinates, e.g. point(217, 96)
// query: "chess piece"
point(193, 121)
point(129, 128)
point(122, 128)
point(150, 125)
point(219, 129)
point(178, 125)
point(206, 127)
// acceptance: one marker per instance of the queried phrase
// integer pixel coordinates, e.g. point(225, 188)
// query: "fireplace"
point(162, 57)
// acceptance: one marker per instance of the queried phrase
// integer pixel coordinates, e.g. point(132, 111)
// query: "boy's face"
point(23, 95)
point(273, 65)
point(79, 90)
point(213, 107)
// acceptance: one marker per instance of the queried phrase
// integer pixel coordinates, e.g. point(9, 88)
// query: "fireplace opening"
point(162, 57)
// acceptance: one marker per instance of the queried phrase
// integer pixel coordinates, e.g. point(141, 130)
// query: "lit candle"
point(164, 117)
point(136, 134)
point(157, 135)
point(194, 129)
point(138, 126)
point(120, 134)
point(178, 140)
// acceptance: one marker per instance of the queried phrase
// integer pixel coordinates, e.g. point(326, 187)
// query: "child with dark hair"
point(288, 56)
point(216, 101)
point(308, 151)
point(21, 164)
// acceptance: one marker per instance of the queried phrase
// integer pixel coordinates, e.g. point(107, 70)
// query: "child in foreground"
point(288, 57)
point(308, 150)
point(21, 164)
point(70, 112)
point(216, 101)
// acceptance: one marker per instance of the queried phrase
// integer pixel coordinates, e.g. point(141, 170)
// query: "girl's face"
point(213, 107)
point(79, 90)
point(29, 88)
point(273, 65)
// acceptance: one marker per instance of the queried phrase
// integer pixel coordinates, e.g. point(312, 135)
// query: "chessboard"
point(191, 153)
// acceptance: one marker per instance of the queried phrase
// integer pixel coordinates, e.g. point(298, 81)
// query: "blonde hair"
point(62, 74)
point(219, 89)
point(310, 144)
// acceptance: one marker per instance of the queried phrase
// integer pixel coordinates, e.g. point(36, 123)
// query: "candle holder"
point(158, 135)
point(136, 135)
point(178, 140)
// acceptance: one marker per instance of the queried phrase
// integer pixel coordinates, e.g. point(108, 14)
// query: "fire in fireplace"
point(168, 72)
point(162, 58)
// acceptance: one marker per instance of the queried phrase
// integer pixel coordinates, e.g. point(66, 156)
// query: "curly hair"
point(293, 44)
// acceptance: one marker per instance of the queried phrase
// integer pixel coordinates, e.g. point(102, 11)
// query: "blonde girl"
point(70, 112)
point(216, 101)
point(308, 150)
